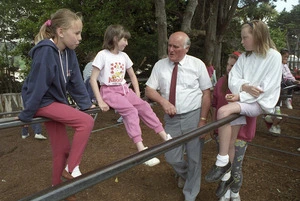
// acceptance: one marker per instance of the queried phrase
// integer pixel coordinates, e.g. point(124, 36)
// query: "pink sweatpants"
point(62, 152)
point(131, 108)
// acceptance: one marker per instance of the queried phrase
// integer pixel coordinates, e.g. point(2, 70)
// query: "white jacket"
point(255, 70)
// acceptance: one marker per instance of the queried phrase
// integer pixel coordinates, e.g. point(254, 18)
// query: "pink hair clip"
point(48, 23)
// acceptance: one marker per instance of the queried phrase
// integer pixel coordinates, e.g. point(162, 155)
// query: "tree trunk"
point(161, 20)
point(211, 32)
point(217, 59)
point(188, 16)
point(10, 102)
point(221, 13)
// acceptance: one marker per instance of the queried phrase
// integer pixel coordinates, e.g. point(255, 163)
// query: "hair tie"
point(48, 23)
point(236, 53)
point(250, 24)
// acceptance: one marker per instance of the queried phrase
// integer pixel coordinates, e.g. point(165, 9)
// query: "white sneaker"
point(268, 118)
point(152, 162)
point(275, 130)
point(238, 198)
point(288, 103)
point(278, 112)
point(298, 149)
point(169, 137)
point(40, 137)
point(25, 136)
point(278, 128)
point(120, 120)
point(224, 199)
point(76, 171)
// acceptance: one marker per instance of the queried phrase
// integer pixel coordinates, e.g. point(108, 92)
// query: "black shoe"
point(224, 186)
point(217, 172)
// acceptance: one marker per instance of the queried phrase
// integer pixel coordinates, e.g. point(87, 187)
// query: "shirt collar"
point(180, 62)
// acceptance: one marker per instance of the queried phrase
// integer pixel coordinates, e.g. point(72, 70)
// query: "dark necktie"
point(172, 95)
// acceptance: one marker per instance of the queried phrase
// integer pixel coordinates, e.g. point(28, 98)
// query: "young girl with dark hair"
point(109, 68)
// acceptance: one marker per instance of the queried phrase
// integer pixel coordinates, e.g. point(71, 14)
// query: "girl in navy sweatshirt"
point(54, 73)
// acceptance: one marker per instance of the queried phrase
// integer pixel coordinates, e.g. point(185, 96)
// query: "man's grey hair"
point(187, 42)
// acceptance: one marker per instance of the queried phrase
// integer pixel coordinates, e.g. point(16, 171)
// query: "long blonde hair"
point(61, 18)
point(261, 37)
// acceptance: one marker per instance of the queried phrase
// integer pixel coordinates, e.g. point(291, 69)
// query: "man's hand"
point(200, 124)
point(168, 107)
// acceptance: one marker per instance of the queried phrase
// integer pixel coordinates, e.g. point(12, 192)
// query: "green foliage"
point(249, 10)
point(278, 36)
point(136, 16)
point(289, 22)
point(21, 21)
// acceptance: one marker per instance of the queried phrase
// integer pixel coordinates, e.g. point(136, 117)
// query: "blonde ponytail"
point(60, 19)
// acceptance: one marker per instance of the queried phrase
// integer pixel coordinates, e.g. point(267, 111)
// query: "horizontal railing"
point(96, 176)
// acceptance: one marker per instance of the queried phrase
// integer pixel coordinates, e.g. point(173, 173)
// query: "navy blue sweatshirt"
point(50, 79)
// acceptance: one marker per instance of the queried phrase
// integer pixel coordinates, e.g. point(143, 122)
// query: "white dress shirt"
point(192, 78)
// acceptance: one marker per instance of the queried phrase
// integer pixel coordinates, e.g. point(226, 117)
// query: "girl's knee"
point(90, 121)
point(87, 123)
point(222, 113)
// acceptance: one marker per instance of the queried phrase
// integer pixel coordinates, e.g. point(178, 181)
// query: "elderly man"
point(186, 107)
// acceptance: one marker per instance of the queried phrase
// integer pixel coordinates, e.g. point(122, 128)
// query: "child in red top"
point(246, 134)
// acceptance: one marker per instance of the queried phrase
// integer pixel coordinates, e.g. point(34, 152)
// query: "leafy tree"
point(9, 38)
point(214, 26)
point(289, 23)
point(250, 10)
point(136, 16)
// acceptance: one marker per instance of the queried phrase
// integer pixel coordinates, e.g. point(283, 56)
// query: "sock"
point(67, 169)
point(234, 195)
point(227, 194)
point(222, 160)
point(226, 176)
point(76, 171)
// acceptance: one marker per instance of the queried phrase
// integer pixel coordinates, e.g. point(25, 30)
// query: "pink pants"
point(63, 153)
point(131, 108)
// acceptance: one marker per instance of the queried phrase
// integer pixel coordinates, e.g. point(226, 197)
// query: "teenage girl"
point(54, 72)
point(110, 66)
point(254, 82)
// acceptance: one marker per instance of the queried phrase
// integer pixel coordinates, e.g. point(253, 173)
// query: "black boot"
point(217, 172)
point(224, 186)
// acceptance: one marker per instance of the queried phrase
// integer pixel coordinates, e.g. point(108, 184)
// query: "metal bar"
point(273, 149)
point(277, 164)
point(286, 96)
point(289, 87)
point(87, 180)
point(12, 121)
point(284, 116)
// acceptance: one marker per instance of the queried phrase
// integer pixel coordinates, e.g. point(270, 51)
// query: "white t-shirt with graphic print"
point(112, 67)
